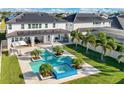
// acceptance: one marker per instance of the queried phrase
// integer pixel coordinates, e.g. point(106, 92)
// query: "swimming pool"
point(63, 70)
point(51, 59)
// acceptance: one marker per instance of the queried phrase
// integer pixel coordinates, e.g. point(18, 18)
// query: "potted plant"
point(58, 50)
point(35, 54)
point(77, 63)
point(46, 70)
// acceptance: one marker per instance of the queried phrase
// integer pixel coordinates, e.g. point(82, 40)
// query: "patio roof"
point(37, 32)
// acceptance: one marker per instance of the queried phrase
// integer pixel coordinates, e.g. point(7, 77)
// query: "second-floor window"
point(54, 25)
point(40, 25)
point(29, 26)
point(36, 25)
point(96, 23)
point(22, 26)
point(33, 25)
point(10, 26)
point(46, 25)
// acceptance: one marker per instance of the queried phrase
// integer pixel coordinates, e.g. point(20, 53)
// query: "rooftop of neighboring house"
point(85, 17)
point(35, 17)
point(122, 16)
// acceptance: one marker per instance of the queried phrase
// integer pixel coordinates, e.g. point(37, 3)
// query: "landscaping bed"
point(111, 70)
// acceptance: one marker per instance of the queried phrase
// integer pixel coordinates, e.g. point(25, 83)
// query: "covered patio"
point(38, 37)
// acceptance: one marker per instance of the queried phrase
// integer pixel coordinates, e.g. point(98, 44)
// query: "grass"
point(10, 70)
point(111, 70)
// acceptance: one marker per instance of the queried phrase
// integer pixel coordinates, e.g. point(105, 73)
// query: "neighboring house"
point(87, 20)
point(121, 20)
point(35, 28)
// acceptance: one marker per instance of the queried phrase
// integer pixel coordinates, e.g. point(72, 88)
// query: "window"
point(54, 25)
point(16, 39)
point(46, 25)
point(12, 40)
point(29, 26)
point(21, 38)
point(10, 26)
point(33, 25)
point(40, 25)
point(96, 23)
point(22, 26)
point(36, 25)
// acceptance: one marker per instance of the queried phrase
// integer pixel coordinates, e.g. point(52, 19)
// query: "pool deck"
point(31, 78)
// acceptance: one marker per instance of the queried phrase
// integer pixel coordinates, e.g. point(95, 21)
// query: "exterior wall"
point(17, 27)
point(86, 25)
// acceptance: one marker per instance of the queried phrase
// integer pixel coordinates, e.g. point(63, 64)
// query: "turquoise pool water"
point(51, 59)
point(62, 68)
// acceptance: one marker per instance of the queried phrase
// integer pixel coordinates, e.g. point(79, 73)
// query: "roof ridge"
point(75, 17)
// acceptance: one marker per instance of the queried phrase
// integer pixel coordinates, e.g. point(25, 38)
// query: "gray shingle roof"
point(88, 17)
point(85, 17)
point(37, 32)
point(35, 17)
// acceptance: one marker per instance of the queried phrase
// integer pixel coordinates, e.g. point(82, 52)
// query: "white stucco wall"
point(86, 25)
point(17, 27)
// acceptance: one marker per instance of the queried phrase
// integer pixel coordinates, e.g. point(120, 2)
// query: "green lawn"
point(10, 70)
point(112, 71)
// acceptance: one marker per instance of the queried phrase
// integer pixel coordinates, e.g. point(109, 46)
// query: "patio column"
point(52, 39)
point(9, 44)
point(44, 39)
point(32, 41)
point(69, 37)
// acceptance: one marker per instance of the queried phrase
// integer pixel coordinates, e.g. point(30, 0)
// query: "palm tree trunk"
point(87, 47)
point(102, 55)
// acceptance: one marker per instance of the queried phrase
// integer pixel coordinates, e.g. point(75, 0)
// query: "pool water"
point(62, 69)
point(51, 59)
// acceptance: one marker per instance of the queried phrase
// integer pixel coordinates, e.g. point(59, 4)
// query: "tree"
point(76, 37)
point(105, 43)
point(45, 69)
point(77, 62)
point(58, 50)
point(3, 24)
point(89, 39)
point(36, 53)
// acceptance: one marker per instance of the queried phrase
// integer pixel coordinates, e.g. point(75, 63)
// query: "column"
point(32, 41)
point(44, 39)
point(52, 39)
point(70, 39)
point(9, 45)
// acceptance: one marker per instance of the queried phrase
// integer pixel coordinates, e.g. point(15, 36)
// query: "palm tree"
point(58, 50)
point(89, 39)
point(76, 37)
point(36, 53)
point(45, 69)
point(77, 62)
point(105, 43)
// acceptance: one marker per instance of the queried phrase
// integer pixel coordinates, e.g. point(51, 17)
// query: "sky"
point(60, 10)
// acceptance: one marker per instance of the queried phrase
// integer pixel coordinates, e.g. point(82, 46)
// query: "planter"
point(36, 59)
point(45, 78)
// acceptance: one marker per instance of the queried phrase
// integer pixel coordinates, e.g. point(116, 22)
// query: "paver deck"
point(31, 78)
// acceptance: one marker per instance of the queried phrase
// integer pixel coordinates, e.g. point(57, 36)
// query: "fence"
point(112, 53)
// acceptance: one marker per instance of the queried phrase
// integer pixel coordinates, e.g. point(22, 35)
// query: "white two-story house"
point(35, 28)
